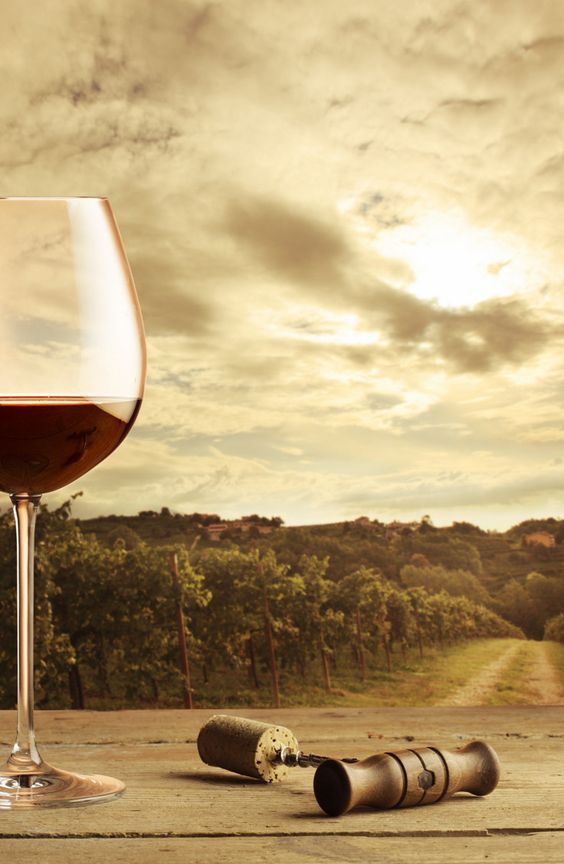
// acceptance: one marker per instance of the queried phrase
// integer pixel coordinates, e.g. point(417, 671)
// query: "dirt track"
point(541, 682)
point(544, 679)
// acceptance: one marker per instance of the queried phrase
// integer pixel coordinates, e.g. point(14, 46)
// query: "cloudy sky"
point(345, 225)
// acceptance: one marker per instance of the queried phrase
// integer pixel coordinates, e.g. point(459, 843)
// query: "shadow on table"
point(359, 811)
point(212, 779)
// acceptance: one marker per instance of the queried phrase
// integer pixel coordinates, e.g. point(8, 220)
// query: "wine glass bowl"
point(48, 442)
point(72, 372)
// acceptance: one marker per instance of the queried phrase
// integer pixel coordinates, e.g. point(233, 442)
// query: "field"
point(348, 614)
point(480, 672)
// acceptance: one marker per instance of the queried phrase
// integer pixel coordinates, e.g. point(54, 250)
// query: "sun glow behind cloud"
point(458, 264)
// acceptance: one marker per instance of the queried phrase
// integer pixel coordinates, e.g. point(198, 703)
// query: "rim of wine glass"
point(53, 197)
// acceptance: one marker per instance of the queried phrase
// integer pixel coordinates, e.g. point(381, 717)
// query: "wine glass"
point(72, 372)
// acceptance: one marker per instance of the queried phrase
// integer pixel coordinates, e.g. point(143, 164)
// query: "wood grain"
point(535, 849)
point(451, 724)
point(178, 806)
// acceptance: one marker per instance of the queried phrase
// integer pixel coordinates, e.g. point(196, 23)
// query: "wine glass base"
point(53, 787)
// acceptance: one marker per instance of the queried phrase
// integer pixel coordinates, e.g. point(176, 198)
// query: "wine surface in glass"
point(46, 442)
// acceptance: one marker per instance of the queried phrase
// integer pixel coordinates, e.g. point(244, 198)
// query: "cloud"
point(291, 244)
point(493, 333)
point(228, 136)
point(167, 305)
point(318, 258)
point(101, 105)
point(145, 474)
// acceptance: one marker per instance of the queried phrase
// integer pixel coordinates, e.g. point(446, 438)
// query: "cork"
point(245, 746)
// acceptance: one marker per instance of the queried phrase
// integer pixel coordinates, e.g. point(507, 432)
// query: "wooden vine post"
point(323, 650)
point(325, 663)
point(183, 649)
point(360, 644)
point(253, 677)
point(270, 643)
point(386, 629)
point(75, 687)
point(418, 632)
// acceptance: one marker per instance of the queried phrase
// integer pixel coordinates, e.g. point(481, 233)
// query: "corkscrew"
point(404, 778)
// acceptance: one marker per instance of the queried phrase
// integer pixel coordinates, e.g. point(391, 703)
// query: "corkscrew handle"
point(407, 778)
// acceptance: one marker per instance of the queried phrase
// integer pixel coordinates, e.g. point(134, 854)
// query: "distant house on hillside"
point(539, 538)
point(398, 529)
point(215, 531)
point(218, 528)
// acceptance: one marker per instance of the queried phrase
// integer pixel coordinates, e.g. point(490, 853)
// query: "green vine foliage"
point(107, 614)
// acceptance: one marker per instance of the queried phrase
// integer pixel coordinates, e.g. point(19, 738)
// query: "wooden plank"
point(527, 849)
point(448, 725)
point(170, 792)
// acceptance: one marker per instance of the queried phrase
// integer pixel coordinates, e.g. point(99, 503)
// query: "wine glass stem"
point(25, 755)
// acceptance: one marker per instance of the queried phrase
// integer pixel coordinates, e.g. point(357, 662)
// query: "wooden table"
point(178, 810)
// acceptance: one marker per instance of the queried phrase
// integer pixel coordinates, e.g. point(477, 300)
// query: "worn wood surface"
point(177, 809)
point(304, 849)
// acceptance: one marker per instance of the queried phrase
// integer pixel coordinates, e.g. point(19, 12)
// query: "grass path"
point(483, 672)
point(434, 680)
point(478, 672)
point(524, 674)
point(545, 678)
point(477, 690)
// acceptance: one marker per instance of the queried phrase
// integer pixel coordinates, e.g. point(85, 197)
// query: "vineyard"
point(130, 624)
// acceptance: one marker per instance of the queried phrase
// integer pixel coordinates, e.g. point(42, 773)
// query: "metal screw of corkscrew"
point(296, 758)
